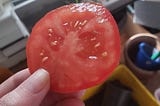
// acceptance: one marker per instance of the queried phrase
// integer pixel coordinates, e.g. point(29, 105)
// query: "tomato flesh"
point(78, 44)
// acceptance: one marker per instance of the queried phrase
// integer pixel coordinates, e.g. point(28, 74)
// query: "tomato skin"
point(77, 54)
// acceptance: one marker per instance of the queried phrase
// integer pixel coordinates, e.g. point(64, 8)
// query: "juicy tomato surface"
point(78, 44)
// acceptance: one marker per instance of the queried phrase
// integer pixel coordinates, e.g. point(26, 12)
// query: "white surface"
point(2, 2)
point(13, 60)
point(15, 48)
point(11, 29)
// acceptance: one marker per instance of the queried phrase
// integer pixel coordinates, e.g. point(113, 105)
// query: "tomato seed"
point(100, 20)
point(84, 22)
point(44, 59)
point(65, 24)
point(41, 54)
point(97, 45)
point(50, 35)
point(104, 54)
point(54, 43)
point(50, 30)
point(93, 57)
point(93, 39)
point(75, 25)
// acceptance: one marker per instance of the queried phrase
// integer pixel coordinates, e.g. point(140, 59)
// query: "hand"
point(24, 89)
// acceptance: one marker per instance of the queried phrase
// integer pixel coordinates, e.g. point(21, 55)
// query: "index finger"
point(12, 82)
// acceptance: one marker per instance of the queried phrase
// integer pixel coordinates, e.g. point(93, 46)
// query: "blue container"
point(143, 59)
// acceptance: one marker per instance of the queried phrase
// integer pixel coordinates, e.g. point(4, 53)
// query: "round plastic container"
point(144, 54)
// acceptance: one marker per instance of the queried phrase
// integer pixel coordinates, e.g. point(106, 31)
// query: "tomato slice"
point(78, 44)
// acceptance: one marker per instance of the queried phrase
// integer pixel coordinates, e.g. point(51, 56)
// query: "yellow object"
point(127, 78)
point(91, 91)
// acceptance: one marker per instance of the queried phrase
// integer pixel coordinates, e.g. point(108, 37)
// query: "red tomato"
point(77, 44)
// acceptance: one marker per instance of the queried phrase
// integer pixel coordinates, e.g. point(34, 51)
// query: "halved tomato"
point(78, 44)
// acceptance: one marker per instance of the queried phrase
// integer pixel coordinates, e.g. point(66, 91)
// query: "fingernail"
point(38, 80)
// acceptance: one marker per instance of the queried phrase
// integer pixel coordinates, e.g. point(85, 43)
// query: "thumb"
point(31, 92)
